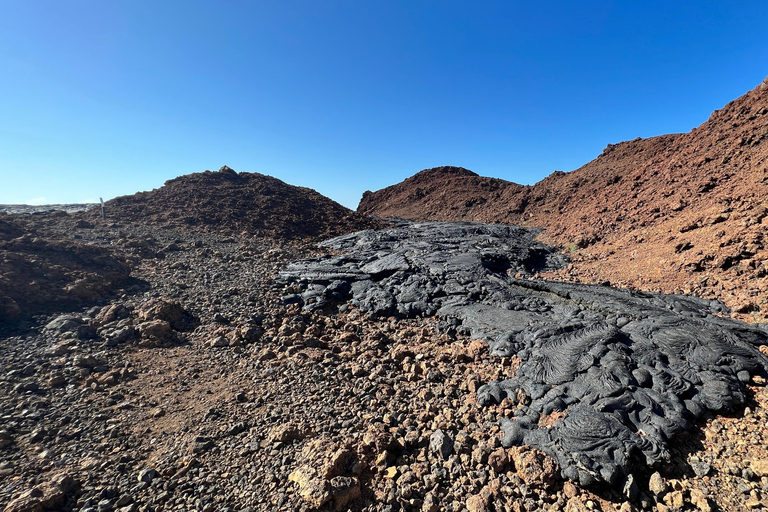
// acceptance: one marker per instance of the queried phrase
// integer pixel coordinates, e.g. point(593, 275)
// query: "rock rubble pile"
point(39, 273)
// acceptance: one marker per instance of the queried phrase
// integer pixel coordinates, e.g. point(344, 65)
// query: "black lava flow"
point(628, 370)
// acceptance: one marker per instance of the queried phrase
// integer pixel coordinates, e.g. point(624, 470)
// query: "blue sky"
point(106, 98)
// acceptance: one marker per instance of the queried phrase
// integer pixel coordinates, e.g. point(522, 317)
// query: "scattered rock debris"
point(626, 371)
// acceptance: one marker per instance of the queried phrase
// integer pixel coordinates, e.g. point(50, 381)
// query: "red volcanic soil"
point(675, 213)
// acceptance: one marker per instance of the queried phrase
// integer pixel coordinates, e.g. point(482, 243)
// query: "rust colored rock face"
point(674, 213)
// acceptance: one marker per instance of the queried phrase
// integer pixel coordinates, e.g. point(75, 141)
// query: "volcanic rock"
point(41, 274)
point(440, 444)
point(326, 474)
point(534, 467)
point(49, 495)
point(376, 386)
point(168, 311)
point(657, 485)
point(624, 371)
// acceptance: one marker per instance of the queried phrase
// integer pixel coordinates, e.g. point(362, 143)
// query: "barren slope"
point(441, 193)
point(42, 273)
point(238, 203)
point(674, 213)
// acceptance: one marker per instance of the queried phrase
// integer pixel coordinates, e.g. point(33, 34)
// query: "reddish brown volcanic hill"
point(442, 193)
point(239, 203)
point(676, 213)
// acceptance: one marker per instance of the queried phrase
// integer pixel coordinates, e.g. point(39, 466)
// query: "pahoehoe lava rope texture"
point(625, 371)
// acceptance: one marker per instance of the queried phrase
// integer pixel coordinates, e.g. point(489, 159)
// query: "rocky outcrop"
point(49, 495)
point(39, 274)
point(383, 406)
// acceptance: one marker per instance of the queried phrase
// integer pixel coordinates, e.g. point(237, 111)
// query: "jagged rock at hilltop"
point(39, 274)
point(238, 203)
point(615, 374)
point(674, 213)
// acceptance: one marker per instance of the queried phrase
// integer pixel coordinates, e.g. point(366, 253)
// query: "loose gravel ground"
point(199, 389)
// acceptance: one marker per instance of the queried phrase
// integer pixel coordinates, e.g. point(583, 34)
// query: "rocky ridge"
point(47, 270)
point(680, 213)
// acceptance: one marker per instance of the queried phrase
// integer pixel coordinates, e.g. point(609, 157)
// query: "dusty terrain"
point(681, 213)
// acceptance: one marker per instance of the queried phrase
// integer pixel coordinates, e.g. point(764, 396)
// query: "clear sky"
point(106, 98)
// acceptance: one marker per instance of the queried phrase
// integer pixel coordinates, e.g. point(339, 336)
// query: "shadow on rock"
point(40, 275)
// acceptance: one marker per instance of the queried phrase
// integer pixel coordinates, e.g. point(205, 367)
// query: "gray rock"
point(27, 385)
point(219, 341)
point(86, 332)
point(201, 444)
point(147, 475)
point(440, 444)
point(121, 335)
point(629, 368)
point(64, 323)
point(123, 501)
point(701, 469)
